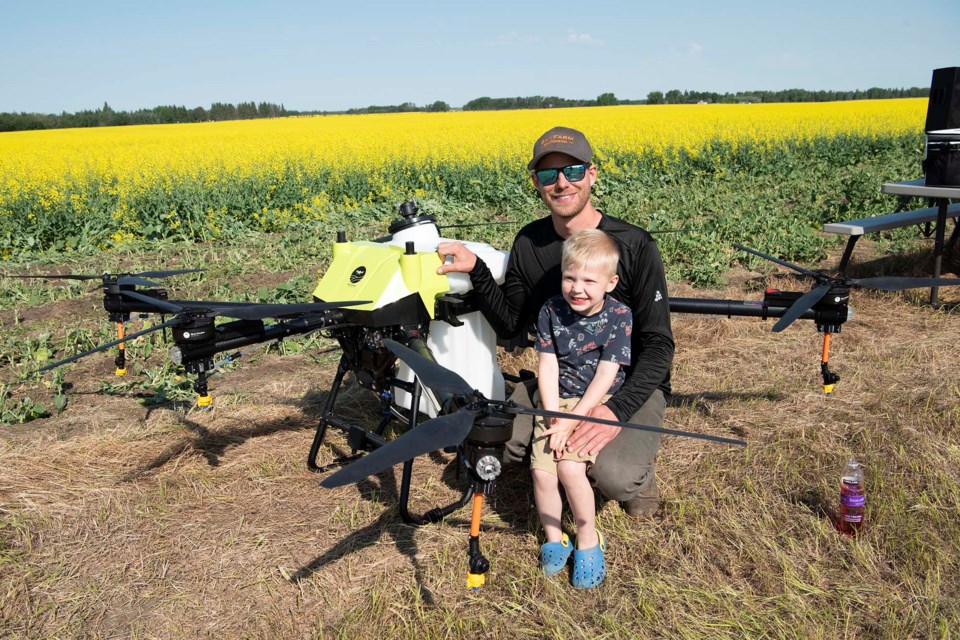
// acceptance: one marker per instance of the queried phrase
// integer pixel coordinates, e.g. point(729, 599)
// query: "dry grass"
point(119, 521)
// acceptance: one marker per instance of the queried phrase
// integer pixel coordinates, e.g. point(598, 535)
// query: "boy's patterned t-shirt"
point(581, 342)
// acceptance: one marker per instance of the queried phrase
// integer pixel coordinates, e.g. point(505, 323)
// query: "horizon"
point(451, 107)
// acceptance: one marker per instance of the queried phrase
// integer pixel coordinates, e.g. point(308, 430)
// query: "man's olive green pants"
point(624, 468)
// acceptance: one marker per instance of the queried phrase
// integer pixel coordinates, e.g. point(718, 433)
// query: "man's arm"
point(652, 345)
point(503, 307)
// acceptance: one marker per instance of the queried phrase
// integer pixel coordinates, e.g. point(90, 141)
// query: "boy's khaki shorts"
point(541, 456)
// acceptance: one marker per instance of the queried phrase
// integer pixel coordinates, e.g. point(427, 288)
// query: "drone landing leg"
point(325, 417)
point(433, 515)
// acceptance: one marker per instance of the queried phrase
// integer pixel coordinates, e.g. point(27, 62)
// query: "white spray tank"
point(470, 349)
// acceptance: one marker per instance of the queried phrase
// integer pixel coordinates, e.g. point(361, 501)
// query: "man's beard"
point(569, 209)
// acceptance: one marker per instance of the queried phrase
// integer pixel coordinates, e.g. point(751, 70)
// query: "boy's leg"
point(573, 475)
point(546, 486)
point(546, 491)
point(624, 470)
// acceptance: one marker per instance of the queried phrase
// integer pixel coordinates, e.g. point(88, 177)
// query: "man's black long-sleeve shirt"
point(533, 276)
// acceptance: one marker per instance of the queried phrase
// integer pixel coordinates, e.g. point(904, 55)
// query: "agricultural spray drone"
point(417, 340)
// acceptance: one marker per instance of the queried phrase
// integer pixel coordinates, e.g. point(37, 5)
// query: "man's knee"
point(625, 467)
point(517, 449)
point(621, 483)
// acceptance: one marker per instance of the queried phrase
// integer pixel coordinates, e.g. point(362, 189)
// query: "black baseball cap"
point(562, 140)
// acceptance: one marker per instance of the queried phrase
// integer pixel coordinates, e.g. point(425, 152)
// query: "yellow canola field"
point(33, 159)
point(102, 187)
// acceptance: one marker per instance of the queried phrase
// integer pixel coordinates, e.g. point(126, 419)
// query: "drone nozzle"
point(200, 387)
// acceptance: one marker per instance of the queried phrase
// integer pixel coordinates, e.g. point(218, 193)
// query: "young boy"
point(583, 336)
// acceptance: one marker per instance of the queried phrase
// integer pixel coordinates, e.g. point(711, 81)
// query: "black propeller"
point(431, 374)
point(437, 433)
point(186, 309)
point(825, 283)
point(107, 278)
point(451, 429)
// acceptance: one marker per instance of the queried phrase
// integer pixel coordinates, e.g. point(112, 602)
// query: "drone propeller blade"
point(130, 278)
point(474, 224)
point(102, 347)
point(437, 433)
point(789, 265)
point(62, 276)
point(168, 273)
point(893, 283)
point(136, 281)
point(433, 376)
point(804, 302)
point(160, 304)
point(514, 408)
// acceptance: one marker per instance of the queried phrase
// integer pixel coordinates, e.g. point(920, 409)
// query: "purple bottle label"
point(852, 499)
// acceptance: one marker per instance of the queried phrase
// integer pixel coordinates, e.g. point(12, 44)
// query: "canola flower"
point(113, 185)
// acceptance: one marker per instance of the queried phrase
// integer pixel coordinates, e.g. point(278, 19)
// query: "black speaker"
point(941, 167)
point(943, 109)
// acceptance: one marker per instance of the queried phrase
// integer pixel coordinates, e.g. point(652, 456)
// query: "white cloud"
point(694, 50)
point(583, 38)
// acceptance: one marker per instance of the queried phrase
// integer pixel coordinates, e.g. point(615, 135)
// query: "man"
point(563, 174)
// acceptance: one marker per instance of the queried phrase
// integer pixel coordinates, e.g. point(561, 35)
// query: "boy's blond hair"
point(591, 248)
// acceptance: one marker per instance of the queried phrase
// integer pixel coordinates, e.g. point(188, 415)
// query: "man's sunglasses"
point(573, 173)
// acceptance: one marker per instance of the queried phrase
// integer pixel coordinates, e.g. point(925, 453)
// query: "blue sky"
point(67, 56)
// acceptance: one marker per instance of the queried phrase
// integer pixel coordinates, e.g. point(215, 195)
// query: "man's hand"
point(456, 258)
point(589, 437)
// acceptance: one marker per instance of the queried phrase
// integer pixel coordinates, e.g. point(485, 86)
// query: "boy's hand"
point(559, 432)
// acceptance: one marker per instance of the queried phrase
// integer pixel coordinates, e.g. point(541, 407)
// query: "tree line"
point(164, 114)
point(675, 96)
point(168, 114)
point(539, 102)
point(406, 107)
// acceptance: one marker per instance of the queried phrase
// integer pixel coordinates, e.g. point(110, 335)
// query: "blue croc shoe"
point(589, 566)
point(554, 556)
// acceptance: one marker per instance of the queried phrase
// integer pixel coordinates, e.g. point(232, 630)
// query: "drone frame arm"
point(512, 407)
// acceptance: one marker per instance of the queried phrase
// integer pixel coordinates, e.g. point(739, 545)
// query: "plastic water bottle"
point(852, 498)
